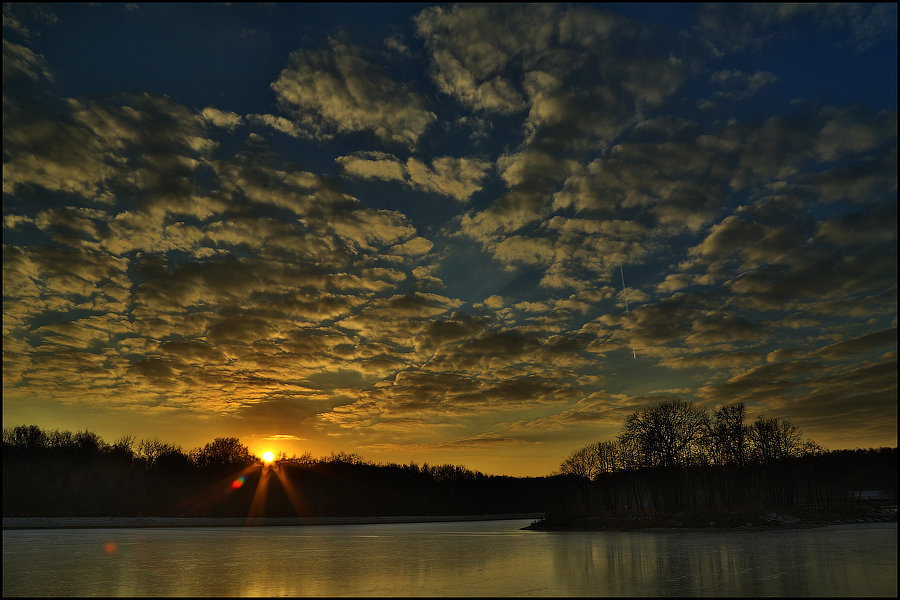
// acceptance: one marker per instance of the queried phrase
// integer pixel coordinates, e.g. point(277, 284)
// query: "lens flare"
point(237, 483)
point(110, 547)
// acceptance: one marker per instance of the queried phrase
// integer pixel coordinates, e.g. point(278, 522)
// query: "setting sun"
point(268, 457)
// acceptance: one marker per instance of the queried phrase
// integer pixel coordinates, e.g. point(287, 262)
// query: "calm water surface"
point(487, 558)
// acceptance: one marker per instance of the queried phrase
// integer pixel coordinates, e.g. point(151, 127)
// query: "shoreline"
point(145, 522)
point(715, 529)
point(771, 521)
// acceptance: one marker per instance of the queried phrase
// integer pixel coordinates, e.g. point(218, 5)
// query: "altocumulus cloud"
point(420, 243)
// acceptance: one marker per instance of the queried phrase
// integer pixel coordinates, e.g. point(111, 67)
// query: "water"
point(487, 558)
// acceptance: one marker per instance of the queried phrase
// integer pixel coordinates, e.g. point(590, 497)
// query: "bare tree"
point(665, 434)
point(25, 437)
point(227, 451)
point(88, 442)
point(609, 457)
point(154, 452)
point(123, 447)
point(774, 439)
point(730, 437)
point(584, 465)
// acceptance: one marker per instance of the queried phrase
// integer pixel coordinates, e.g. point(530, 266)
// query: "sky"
point(478, 234)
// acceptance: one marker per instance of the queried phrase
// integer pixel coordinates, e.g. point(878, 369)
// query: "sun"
point(268, 457)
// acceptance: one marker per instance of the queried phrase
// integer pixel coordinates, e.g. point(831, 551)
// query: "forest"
point(53, 473)
point(675, 458)
point(670, 458)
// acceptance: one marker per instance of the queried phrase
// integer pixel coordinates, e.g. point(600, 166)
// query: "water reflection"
point(436, 559)
point(831, 561)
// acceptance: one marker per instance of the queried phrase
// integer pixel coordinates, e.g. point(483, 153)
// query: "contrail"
point(625, 294)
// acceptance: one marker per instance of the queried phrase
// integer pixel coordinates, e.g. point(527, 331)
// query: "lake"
point(473, 558)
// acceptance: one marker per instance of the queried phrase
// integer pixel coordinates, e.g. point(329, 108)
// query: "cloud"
point(463, 367)
point(861, 344)
point(340, 89)
point(714, 361)
point(853, 130)
point(83, 148)
point(812, 395)
point(416, 246)
point(739, 85)
point(282, 437)
point(524, 250)
point(20, 61)
point(457, 178)
point(373, 165)
point(873, 226)
point(220, 118)
point(530, 176)
point(655, 190)
point(480, 440)
point(280, 124)
point(439, 333)
point(494, 301)
point(17, 18)
point(753, 26)
point(366, 227)
point(869, 180)
point(159, 256)
point(449, 252)
point(470, 47)
point(508, 59)
point(773, 379)
point(396, 43)
point(776, 266)
point(447, 397)
point(488, 441)
point(599, 411)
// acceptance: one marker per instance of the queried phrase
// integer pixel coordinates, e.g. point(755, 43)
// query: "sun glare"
point(268, 457)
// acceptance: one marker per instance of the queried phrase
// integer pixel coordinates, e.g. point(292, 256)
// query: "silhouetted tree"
point(665, 434)
point(730, 437)
point(150, 451)
point(351, 458)
point(583, 465)
point(609, 456)
point(222, 452)
point(774, 439)
point(54, 473)
point(88, 442)
point(123, 448)
point(25, 437)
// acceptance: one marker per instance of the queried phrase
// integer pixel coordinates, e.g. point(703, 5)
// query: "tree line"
point(669, 457)
point(674, 456)
point(64, 473)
